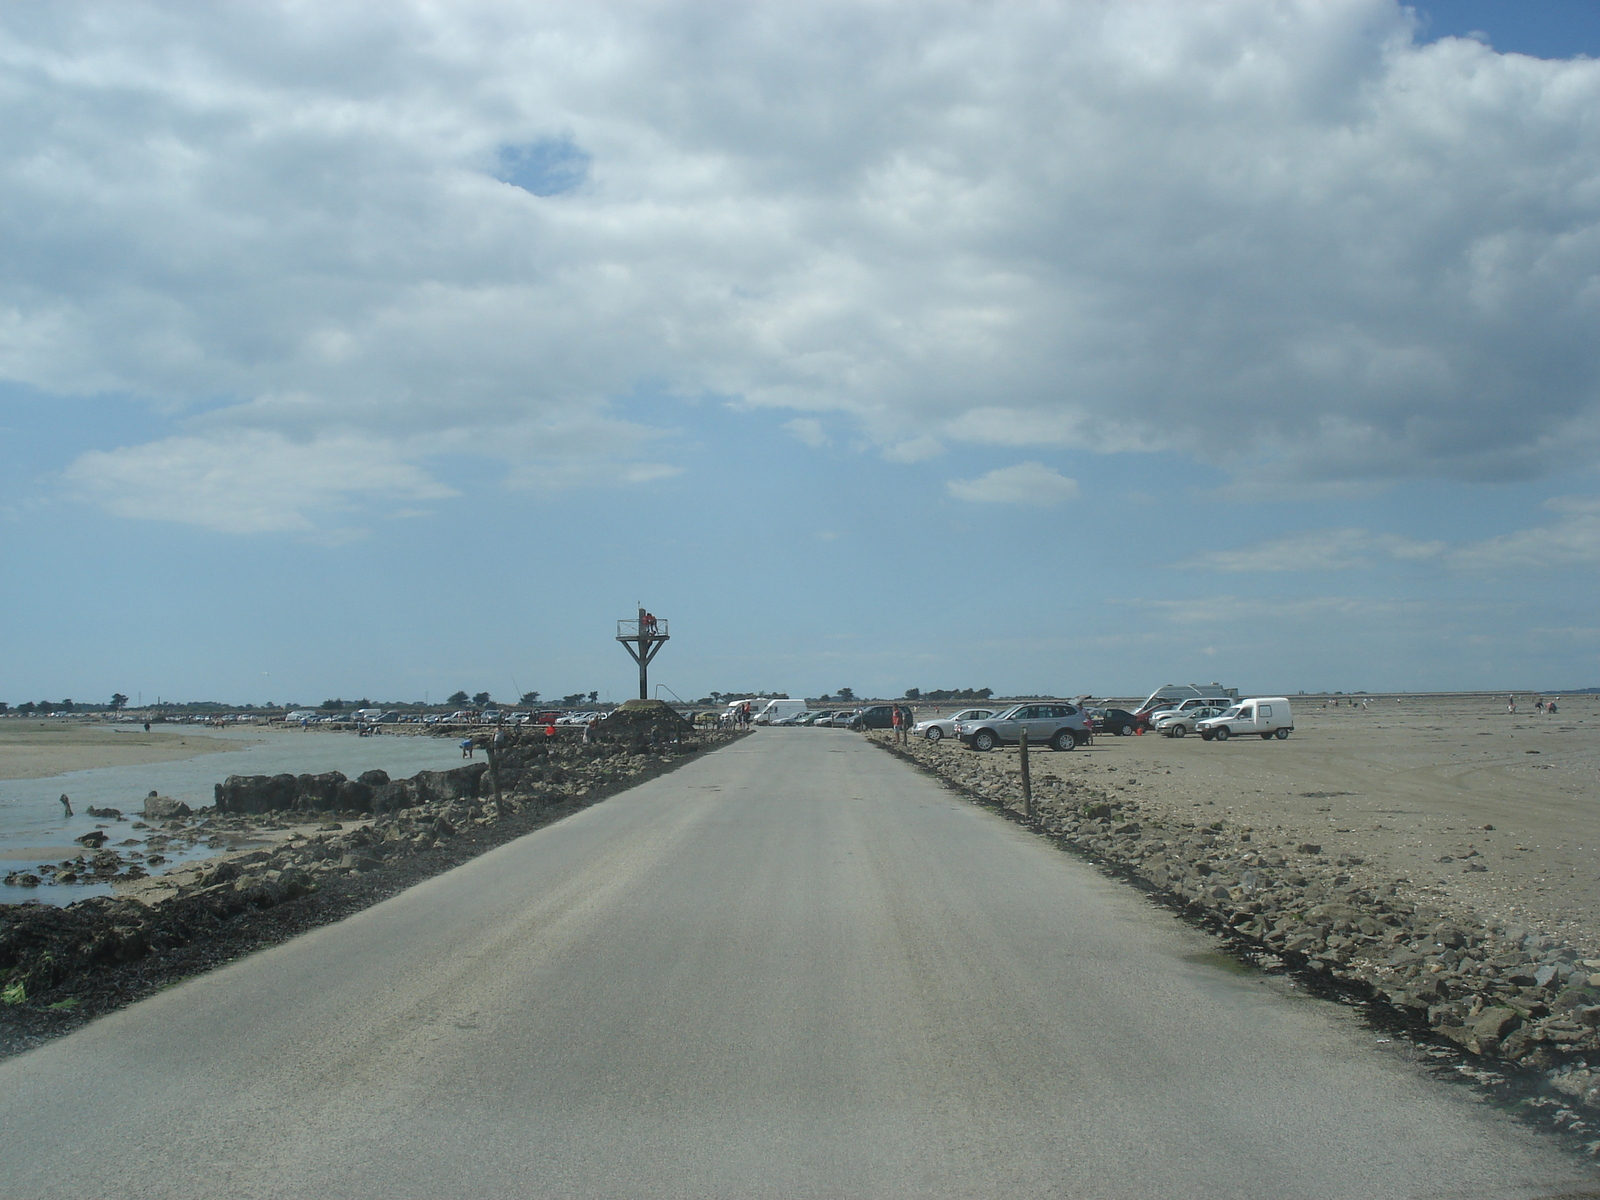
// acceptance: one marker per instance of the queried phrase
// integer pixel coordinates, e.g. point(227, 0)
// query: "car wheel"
point(1206, 735)
point(934, 733)
point(1221, 733)
point(1064, 739)
point(1266, 736)
point(984, 740)
point(1177, 731)
point(1283, 733)
point(1124, 730)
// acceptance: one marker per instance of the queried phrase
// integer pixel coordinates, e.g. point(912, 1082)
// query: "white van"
point(777, 709)
point(1269, 716)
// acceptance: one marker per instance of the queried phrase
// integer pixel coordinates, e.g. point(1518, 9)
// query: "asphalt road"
point(794, 968)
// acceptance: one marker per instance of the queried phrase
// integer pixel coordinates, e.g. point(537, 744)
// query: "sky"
point(354, 350)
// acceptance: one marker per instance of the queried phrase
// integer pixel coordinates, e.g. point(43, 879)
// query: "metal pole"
point(644, 659)
point(1027, 779)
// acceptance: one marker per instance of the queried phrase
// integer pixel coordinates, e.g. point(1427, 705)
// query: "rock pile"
point(1498, 992)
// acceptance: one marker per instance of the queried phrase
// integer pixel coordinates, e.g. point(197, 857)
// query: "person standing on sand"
point(1511, 706)
point(66, 804)
point(894, 723)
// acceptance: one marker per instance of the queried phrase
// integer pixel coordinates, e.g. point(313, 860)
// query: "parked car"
point(878, 716)
point(938, 728)
point(1167, 707)
point(1061, 725)
point(1268, 716)
point(1117, 720)
point(840, 719)
point(1181, 722)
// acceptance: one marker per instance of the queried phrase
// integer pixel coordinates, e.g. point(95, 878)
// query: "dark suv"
point(879, 716)
point(1062, 725)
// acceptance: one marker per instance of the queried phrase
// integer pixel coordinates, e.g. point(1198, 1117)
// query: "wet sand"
point(39, 749)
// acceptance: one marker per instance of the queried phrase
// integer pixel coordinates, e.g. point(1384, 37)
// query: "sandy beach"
point(1412, 788)
point(39, 749)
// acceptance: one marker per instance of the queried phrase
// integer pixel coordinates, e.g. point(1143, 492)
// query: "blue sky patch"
point(547, 167)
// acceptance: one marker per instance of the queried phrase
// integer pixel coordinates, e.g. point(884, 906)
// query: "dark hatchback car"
point(1118, 721)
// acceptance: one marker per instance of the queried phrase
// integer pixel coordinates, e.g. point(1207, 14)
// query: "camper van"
point(777, 709)
point(1268, 716)
point(1173, 694)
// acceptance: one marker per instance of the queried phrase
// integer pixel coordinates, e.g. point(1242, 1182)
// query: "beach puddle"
point(1221, 961)
point(37, 837)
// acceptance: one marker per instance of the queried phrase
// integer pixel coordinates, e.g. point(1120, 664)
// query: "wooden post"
point(494, 777)
point(1027, 779)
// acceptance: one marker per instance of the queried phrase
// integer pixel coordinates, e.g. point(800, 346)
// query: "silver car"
point(943, 727)
point(1176, 723)
point(1062, 725)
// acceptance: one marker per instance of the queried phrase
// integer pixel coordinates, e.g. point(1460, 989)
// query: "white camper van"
point(1269, 716)
point(777, 709)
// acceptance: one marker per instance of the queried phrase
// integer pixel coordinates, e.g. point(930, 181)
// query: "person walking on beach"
point(1511, 706)
point(66, 804)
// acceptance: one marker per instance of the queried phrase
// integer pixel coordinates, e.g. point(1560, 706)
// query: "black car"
point(879, 716)
point(1118, 721)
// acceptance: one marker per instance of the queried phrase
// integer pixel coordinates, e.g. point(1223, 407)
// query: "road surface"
point(794, 968)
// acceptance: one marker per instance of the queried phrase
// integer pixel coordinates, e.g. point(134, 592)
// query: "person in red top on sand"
point(897, 723)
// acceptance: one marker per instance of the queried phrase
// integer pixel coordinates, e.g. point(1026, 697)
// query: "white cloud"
point(913, 450)
point(248, 482)
point(1317, 550)
point(1026, 483)
point(807, 430)
point(1282, 238)
point(1573, 539)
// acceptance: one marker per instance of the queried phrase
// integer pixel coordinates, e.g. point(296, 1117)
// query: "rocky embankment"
point(1510, 995)
point(61, 964)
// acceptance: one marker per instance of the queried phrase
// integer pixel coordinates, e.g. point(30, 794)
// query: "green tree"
point(529, 698)
point(594, 697)
point(846, 694)
point(456, 698)
point(913, 693)
point(118, 702)
point(482, 700)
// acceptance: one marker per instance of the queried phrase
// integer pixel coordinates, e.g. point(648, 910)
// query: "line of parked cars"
point(1064, 726)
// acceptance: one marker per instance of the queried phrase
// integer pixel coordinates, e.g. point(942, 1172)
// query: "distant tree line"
point(950, 694)
point(484, 700)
